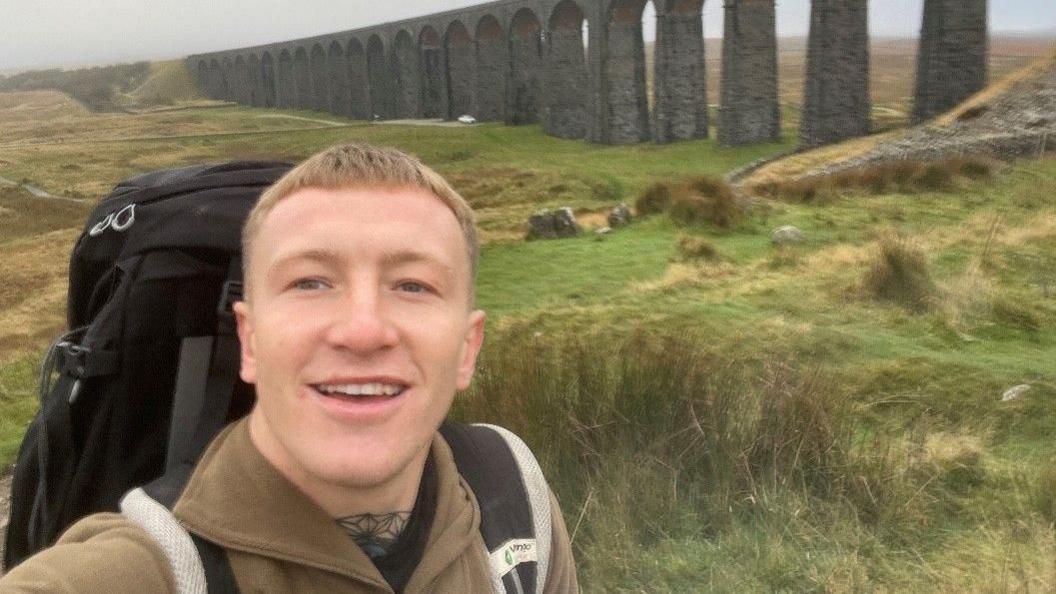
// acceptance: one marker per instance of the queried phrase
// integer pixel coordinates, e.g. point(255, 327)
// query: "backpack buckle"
point(231, 293)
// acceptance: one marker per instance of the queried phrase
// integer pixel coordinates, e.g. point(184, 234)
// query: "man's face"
point(357, 333)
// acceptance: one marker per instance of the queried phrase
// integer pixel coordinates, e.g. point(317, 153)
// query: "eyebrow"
point(321, 255)
point(332, 257)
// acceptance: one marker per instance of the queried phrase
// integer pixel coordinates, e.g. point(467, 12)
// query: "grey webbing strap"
point(159, 523)
point(538, 500)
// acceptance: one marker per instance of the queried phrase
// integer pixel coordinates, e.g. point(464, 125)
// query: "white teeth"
point(373, 389)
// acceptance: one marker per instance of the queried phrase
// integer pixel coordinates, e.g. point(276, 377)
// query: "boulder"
point(1014, 392)
point(787, 235)
point(553, 224)
point(619, 216)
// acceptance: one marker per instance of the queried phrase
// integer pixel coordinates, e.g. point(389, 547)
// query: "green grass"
point(661, 391)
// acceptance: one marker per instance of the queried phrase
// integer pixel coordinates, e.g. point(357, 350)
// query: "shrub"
point(934, 177)
point(691, 247)
point(654, 200)
point(707, 200)
point(900, 274)
point(974, 168)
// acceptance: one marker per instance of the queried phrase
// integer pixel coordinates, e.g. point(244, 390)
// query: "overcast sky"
point(45, 33)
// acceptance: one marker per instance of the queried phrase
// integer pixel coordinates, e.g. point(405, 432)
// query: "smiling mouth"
point(365, 392)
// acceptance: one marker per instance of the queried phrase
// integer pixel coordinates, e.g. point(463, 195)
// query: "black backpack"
point(148, 373)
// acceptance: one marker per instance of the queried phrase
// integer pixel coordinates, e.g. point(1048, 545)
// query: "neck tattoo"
point(376, 534)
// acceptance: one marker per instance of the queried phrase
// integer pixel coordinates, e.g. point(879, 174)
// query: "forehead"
point(363, 221)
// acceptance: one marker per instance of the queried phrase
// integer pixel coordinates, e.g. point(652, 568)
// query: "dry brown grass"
point(33, 292)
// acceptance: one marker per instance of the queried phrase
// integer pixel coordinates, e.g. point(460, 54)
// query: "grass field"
point(760, 420)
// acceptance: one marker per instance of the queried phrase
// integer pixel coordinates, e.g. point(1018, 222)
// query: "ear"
point(471, 348)
point(248, 370)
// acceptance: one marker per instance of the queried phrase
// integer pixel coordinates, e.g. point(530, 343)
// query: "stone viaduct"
point(578, 68)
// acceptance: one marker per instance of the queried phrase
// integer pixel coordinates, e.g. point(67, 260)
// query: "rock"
point(620, 216)
point(1014, 392)
point(547, 224)
point(603, 231)
point(787, 235)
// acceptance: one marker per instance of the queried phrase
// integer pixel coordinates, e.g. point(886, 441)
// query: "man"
point(357, 329)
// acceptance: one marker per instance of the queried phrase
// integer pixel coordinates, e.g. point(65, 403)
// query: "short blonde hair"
point(356, 166)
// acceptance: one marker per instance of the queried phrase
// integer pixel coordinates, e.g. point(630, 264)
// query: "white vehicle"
point(467, 119)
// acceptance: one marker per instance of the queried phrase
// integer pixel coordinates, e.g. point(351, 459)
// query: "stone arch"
point(302, 74)
point(566, 114)
point(461, 64)
point(267, 80)
point(492, 69)
point(358, 81)
point(286, 89)
point(626, 98)
point(407, 79)
point(379, 79)
point(526, 65)
point(337, 75)
point(433, 84)
point(320, 82)
point(227, 77)
point(680, 105)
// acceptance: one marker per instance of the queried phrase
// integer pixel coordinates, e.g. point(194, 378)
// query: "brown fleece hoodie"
point(277, 539)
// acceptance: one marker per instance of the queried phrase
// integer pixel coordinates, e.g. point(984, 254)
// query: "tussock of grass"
point(653, 438)
point(899, 273)
point(693, 248)
point(654, 200)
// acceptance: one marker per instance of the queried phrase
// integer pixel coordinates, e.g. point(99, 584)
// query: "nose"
point(360, 324)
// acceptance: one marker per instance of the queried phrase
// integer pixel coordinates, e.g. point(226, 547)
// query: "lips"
point(360, 399)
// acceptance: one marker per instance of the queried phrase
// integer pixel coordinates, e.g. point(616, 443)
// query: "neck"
point(342, 497)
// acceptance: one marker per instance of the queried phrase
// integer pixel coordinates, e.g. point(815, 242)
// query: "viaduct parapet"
point(578, 68)
point(836, 101)
point(952, 59)
point(749, 111)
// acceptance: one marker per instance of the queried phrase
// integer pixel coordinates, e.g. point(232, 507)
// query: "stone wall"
point(952, 60)
point(836, 102)
point(749, 112)
point(461, 60)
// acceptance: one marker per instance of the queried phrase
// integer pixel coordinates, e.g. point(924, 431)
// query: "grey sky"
point(44, 33)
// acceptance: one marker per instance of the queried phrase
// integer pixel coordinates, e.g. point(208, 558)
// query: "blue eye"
point(413, 287)
point(309, 284)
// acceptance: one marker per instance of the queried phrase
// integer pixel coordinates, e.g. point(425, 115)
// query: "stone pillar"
point(526, 63)
point(461, 63)
point(408, 79)
point(626, 104)
point(431, 65)
point(286, 88)
point(358, 81)
point(567, 78)
point(680, 103)
point(320, 81)
point(836, 101)
point(749, 111)
point(492, 67)
point(267, 79)
point(953, 54)
point(302, 73)
point(337, 72)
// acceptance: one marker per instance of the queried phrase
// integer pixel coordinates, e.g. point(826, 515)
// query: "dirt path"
point(38, 192)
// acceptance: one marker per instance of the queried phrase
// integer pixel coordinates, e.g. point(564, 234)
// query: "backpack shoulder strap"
point(514, 503)
point(198, 565)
